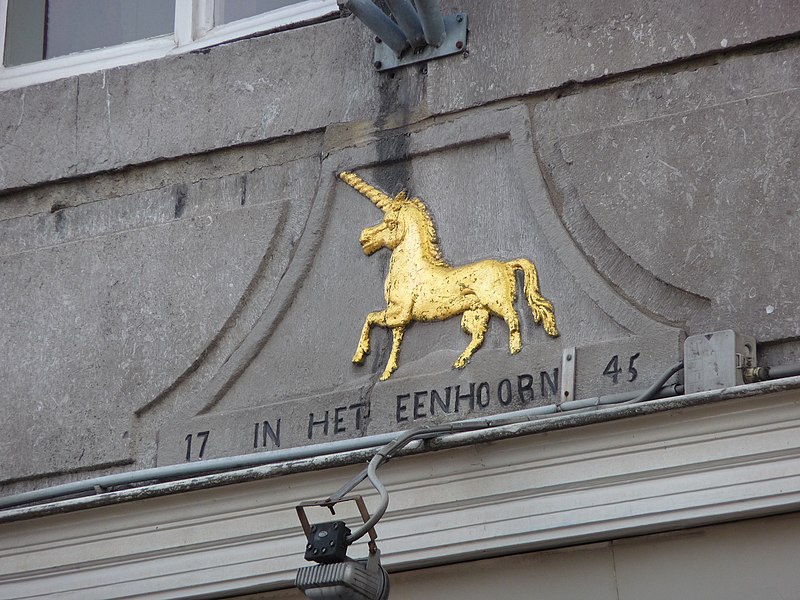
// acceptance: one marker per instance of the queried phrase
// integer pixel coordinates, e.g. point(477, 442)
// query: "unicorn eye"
point(392, 225)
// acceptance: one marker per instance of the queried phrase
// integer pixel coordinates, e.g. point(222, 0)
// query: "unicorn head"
point(399, 212)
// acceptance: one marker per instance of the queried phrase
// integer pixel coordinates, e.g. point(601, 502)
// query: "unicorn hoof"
point(461, 362)
point(358, 357)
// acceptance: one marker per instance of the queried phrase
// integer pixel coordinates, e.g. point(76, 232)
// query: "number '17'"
point(203, 435)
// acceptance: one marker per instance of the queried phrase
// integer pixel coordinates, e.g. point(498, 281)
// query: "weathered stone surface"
point(520, 47)
point(123, 298)
point(225, 288)
point(311, 348)
point(37, 122)
point(74, 371)
point(624, 365)
point(249, 91)
point(474, 173)
point(268, 426)
point(681, 190)
point(286, 157)
point(269, 86)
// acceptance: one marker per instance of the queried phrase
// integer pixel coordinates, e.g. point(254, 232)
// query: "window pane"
point(24, 32)
point(75, 25)
point(226, 11)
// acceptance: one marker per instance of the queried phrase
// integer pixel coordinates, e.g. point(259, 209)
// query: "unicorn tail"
point(541, 308)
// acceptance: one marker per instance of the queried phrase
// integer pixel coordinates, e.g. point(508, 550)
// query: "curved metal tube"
point(226, 464)
point(384, 454)
point(372, 475)
point(374, 18)
point(656, 387)
point(430, 13)
point(781, 371)
point(407, 19)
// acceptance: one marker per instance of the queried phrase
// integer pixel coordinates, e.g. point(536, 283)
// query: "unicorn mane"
point(430, 241)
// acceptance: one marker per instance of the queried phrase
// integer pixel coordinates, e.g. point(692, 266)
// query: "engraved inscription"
point(417, 406)
point(531, 380)
point(266, 436)
point(613, 369)
point(202, 438)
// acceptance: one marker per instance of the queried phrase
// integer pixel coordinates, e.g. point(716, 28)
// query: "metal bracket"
point(568, 360)
point(362, 509)
point(455, 41)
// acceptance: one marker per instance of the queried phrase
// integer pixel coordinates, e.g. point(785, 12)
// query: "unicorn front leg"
point(395, 317)
point(373, 318)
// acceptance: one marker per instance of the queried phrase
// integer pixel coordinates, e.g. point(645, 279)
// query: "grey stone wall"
point(177, 256)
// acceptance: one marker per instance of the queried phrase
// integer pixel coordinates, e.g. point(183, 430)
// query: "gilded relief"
point(422, 286)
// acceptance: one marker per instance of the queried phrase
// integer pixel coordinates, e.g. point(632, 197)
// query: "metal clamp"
point(455, 41)
point(329, 504)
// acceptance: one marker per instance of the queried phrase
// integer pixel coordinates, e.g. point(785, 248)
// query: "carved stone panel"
point(293, 382)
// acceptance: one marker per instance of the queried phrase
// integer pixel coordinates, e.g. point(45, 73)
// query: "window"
point(38, 29)
point(44, 40)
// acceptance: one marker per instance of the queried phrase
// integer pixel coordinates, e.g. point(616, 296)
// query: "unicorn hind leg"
point(391, 364)
point(473, 322)
point(500, 301)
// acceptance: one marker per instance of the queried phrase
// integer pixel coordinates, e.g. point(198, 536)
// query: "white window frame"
point(194, 29)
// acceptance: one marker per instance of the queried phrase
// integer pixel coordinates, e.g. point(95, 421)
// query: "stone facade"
point(177, 256)
point(181, 280)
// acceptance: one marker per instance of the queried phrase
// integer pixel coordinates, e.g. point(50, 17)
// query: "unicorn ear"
point(401, 197)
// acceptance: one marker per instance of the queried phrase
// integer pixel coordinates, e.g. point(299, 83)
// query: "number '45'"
point(613, 369)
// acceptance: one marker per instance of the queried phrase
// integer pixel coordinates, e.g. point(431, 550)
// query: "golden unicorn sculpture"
point(421, 286)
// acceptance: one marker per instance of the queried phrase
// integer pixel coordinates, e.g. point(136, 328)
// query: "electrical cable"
point(387, 451)
point(209, 467)
point(657, 385)
point(383, 455)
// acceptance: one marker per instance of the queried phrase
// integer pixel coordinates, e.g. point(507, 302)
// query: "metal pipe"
point(782, 371)
point(213, 465)
point(196, 468)
point(383, 455)
point(409, 22)
point(207, 467)
point(381, 25)
point(654, 389)
point(355, 450)
point(430, 14)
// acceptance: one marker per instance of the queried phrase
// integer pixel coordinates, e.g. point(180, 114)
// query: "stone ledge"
point(694, 466)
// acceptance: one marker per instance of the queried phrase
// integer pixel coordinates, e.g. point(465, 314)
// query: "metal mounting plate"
point(568, 361)
point(455, 41)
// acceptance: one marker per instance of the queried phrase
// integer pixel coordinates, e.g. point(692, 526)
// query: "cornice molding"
point(692, 466)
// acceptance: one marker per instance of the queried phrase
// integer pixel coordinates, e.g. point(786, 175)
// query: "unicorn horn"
point(377, 197)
